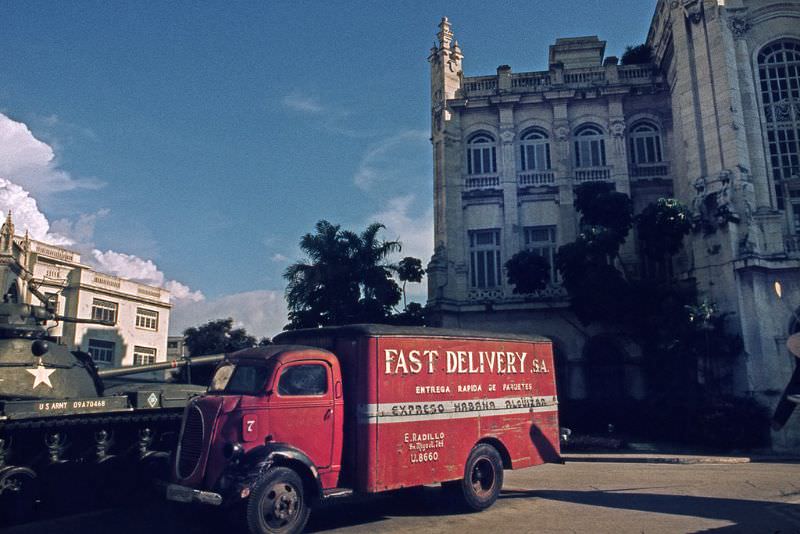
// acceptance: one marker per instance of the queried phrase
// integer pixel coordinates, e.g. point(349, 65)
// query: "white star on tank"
point(41, 375)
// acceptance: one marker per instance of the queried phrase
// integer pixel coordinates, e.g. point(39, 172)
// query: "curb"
point(683, 460)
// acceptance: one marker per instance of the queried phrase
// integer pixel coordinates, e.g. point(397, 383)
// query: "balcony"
point(592, 174)
point(483, 181)
point(649, 170)
point(536, 178)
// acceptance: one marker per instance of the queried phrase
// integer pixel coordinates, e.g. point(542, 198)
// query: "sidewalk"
point(653, 454)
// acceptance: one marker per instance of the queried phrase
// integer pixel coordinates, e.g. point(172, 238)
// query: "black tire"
point(19, 489)
point(277, 503)
point(483, 478)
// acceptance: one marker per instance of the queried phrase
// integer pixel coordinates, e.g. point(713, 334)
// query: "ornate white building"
point(140, 312)
point(713, 121)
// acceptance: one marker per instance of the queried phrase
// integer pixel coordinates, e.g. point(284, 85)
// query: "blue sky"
point(193, 143)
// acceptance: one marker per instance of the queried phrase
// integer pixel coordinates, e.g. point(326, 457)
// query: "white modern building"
point(139, 312)
point(714, 121)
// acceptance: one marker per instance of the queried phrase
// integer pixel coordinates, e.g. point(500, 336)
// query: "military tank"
point(69, 432)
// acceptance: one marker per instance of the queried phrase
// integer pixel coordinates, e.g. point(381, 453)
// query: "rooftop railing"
point(527, 82)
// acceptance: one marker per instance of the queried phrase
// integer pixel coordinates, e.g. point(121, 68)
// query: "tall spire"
point(7, 235)
point(445, 34)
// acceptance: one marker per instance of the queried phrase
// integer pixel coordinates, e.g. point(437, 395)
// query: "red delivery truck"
point(364, 409)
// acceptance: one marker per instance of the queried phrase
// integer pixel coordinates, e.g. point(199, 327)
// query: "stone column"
point(508, 182)
point(562, 167)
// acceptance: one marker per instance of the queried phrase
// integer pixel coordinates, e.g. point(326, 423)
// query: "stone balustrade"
point(529, 178)
point(592, 174)
point(585, 76)
point(526, 82)
point(55, 253)
point(482, 182)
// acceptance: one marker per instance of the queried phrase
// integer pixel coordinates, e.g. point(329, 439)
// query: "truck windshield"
point(239, 379)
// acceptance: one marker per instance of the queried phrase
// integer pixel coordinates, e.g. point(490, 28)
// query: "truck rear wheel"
point(483, 478)
point(277, 504)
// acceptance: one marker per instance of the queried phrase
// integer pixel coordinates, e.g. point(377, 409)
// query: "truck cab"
point(263, 404)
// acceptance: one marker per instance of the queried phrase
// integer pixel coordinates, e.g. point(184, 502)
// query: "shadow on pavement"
point(153, 516)
point(415, 502)
point(747, 515)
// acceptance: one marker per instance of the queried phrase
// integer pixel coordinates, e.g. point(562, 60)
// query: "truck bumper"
point(178, 493)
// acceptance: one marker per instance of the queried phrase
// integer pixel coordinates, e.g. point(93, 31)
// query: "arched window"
point(481, 154)
point(645, 140)
point(779, 74)
point(534, 151)
point(590, 147)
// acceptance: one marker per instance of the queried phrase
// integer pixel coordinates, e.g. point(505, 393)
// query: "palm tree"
point(323, 290)
point(345, 279)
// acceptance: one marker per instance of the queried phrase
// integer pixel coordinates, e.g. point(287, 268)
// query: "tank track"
point(85, 420)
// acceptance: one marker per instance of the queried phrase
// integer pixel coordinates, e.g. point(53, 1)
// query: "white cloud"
point(182, 293)
point(279, 258)
point(260, 312)
point(391, 161)
point(32, 164)
point(414, 231)
point(81, 230)
point(128, 266)
point(145, 271)
point(304, 103)
point(29, 165)
point(26, 215)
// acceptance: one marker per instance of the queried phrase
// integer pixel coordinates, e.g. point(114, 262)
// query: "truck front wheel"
point(277, 503)
point(483, 478)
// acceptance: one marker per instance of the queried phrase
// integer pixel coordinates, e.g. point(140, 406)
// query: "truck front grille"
point(191, 446)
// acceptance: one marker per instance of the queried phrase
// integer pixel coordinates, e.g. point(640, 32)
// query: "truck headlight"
point(233, 451)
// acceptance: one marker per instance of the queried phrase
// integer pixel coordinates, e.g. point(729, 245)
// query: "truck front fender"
point(259, 460)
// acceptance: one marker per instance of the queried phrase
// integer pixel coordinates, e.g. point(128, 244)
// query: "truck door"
point(301, 409)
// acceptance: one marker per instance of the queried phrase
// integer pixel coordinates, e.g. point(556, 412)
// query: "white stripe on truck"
point(401, 412)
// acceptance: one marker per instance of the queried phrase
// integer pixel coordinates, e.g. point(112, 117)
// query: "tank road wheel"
point(483, 478)
point(277, 503)
point(18, 492)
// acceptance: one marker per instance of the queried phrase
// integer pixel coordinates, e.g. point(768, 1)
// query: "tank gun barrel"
point(172, 364)
point(80, 320)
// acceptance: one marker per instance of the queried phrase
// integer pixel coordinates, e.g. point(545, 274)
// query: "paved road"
point(577, 497)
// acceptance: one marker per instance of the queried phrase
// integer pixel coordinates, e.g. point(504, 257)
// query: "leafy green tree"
point(216, 337)
point(409, 270)
point(345, 279)
point(597, 287)
point(528, 272)
point(662, 226)
point(213, 337)
point(412, 315)
point(637, 55)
